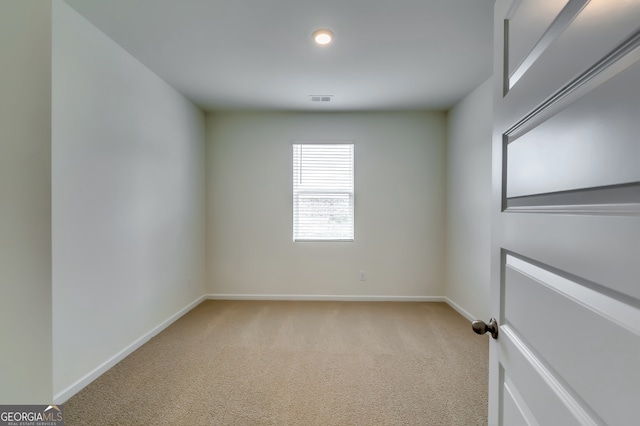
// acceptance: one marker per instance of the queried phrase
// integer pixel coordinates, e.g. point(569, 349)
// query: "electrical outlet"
point(363, 276)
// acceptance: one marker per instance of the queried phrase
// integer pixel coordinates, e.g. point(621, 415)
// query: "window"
point(323, 192)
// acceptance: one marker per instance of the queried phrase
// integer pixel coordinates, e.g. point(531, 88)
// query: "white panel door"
point(566, 213)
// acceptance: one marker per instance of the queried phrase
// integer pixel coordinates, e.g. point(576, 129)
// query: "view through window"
point(323, 191)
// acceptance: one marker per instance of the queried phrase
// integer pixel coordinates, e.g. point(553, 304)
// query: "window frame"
point(320, 191)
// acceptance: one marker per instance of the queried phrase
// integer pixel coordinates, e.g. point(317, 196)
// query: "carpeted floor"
point(298, 363)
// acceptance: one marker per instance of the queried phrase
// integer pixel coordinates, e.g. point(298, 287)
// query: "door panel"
point(591, 143)
point(527, 22)
point(535, 25)
point(603, 29)
point(566, 213)
point(516, 411)
point(541, 395)
point(600, 327)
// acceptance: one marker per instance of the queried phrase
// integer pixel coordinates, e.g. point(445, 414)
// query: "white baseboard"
point(64, 395)
point(342, 298)
point(459, 309)
point(325, 297)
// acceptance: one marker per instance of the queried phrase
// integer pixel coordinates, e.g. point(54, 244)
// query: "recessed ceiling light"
point(322, 37)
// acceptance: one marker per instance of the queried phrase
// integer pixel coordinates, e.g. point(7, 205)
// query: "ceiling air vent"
point(320, 98)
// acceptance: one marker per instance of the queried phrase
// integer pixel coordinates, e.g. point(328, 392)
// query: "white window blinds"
point(323, 192)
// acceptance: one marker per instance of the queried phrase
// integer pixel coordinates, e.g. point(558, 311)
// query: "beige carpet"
point(298, 363)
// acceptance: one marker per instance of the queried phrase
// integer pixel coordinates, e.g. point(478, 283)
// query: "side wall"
point(469, 202)
point(399, 206)
point(25, 202)
point(128, 202)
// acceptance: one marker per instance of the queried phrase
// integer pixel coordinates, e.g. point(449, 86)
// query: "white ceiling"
point(258, 54)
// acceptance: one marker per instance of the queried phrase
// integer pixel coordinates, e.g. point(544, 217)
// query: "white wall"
point(128, 201)
point(25, 196)
point(399, 205)
point(469, 202)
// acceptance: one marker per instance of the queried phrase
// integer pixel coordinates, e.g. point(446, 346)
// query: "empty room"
point(247, 212)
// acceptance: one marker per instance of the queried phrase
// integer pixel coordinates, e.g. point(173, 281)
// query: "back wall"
point(399, 206)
